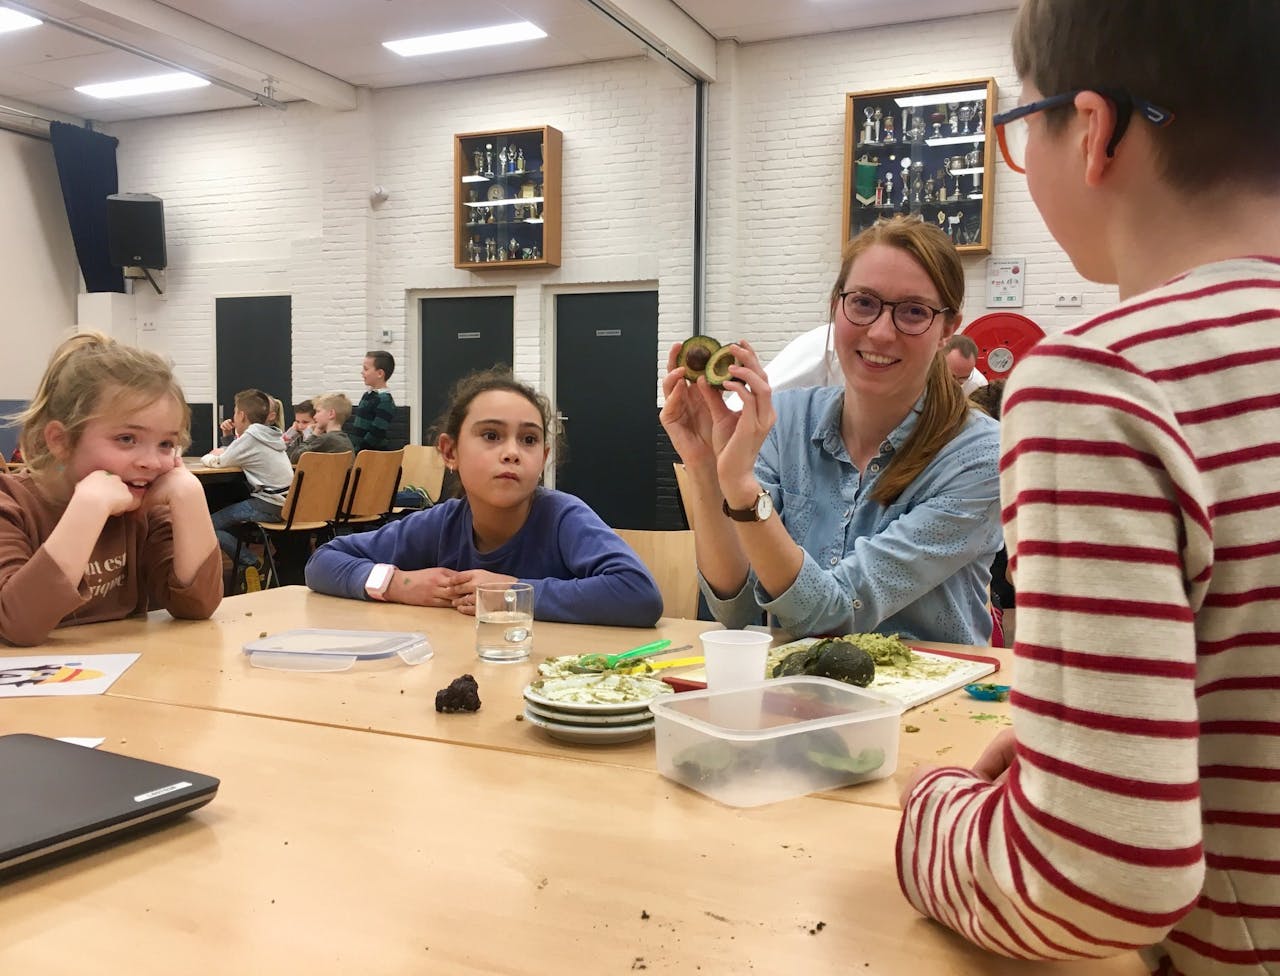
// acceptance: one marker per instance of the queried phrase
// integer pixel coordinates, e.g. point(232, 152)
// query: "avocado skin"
point(845, 662)
point(717, 362)
point(695, 353)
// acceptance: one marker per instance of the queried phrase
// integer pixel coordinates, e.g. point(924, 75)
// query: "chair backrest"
point(670, 558)
point(682, 484)
point(319, 482)
point(374, 480)
point(423, 467)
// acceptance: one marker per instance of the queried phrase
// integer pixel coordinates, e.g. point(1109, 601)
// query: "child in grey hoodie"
point(258, 451)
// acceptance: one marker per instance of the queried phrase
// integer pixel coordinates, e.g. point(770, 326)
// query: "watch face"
point(764, 506)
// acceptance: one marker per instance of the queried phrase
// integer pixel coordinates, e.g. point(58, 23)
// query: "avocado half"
point(695, 354)
point(718, 367)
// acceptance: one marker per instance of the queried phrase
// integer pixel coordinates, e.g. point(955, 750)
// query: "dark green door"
point(255, 351)
point(606, 383)
point(460, 336)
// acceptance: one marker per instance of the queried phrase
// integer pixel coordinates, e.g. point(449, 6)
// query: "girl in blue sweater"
point(505, 528)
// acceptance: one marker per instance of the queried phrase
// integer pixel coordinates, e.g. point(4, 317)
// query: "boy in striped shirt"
point(1136, 801)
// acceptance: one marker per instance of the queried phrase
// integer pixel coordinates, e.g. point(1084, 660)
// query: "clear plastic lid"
point(335, 650)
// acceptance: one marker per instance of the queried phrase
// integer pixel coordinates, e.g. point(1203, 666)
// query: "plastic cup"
point(504, 621)
point(735, 658)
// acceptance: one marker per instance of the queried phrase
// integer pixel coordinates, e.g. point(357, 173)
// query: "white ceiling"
point(318, 49)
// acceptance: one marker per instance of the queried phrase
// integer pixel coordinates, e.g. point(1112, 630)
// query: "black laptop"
point(56, 797)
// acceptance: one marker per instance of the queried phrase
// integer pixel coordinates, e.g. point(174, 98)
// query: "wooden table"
point(336, 851)
point(201, 664)
point(201, 470)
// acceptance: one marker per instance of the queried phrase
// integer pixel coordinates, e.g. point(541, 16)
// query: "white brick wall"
point(776, 171)
point(262, 202)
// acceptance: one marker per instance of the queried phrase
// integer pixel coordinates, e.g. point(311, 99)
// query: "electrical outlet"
point(1068, 299)
point(386, 336)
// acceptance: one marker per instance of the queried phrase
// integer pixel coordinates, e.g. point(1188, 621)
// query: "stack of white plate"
point(588, 723)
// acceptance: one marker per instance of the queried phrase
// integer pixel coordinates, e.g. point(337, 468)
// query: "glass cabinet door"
point(507, 199)
point(926, 151)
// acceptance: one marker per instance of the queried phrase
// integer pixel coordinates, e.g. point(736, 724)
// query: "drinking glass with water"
point(504, 621)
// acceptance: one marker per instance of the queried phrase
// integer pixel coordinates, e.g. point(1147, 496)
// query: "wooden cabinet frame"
point(934, 138)
point(497, 208)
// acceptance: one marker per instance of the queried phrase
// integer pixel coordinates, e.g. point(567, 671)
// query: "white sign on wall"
point(1004, 282)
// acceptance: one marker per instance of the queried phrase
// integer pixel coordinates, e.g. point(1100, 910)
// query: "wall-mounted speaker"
point(135, 230)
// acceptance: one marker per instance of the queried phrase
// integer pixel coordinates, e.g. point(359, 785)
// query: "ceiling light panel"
point(410, 47)
point(150, 85)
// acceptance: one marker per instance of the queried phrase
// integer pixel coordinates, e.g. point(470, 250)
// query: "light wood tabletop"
point(202, 664)
point(201, 470)
point(338, 851)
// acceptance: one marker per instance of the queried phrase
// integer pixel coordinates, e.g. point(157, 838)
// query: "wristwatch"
point(758, 512)
point(379, 581)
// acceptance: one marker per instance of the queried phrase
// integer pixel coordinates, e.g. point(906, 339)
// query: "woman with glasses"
point(872, 506)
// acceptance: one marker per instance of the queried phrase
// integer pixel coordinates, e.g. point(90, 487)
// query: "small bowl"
point(988, 692)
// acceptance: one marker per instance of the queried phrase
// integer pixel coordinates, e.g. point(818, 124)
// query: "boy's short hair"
point(255, 405)
point(1211, 64)
point(382, 360)
point(963, 343)
point(339, 403)
point(306, 406)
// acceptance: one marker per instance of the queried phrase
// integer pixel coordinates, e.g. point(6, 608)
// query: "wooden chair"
point(372, 488)
point(423, 468)
point(310, 507)
point(670, 558)
point(682, 485)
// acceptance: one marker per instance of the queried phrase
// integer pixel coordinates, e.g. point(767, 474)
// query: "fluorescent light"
point(150, 85)
point(941, 98)
point(462, 40)
point(11, 20)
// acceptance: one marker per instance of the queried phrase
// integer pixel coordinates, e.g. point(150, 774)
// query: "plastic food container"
point(335, 650)
point(777, 739)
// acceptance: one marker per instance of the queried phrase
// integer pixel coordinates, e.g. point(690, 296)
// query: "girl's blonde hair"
point(92, 375)
point(945, 409)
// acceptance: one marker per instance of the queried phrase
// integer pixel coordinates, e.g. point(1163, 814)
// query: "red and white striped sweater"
point(1141, 483)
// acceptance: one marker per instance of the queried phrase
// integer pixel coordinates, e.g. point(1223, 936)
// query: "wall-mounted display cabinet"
point(506, 199)
point(927, 150)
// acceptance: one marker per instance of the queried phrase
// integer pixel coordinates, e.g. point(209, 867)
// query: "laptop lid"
point(58, 796)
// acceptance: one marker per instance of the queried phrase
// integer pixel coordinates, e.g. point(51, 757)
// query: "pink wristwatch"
point(379, 581)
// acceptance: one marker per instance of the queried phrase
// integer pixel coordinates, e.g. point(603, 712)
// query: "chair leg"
point(273, 577)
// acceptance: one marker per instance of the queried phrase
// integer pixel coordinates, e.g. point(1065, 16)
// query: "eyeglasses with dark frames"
point(1013, 137)
point(910, 316)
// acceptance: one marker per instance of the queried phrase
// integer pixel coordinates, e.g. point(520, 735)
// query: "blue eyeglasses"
point(1013, 137)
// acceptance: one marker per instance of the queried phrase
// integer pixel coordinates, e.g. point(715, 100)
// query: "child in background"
point(1135, 803)
point(505, 529)
point(258, 450)
point(106, 521)
point(304, 415)
point(376, 409)
point(330, 412)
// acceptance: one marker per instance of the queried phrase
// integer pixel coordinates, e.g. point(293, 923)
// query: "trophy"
point(953, 120)
point(889, 134)
point(513, 248)
point(866, 126)
point(519, 160)
point(477, 162)
point(878, 115)
point(979, 110)
point(488, 159)
point(973, 160)
point(888, 187)
point(937, 130)
point(929, 191)
point(940, 177)
point(879, 193)
point(966, 113)
point(906, 179)
point(502, 160)
point(490, 252)
point(942, 221)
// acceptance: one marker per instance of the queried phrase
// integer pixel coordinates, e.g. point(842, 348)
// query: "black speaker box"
point(135, 230)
